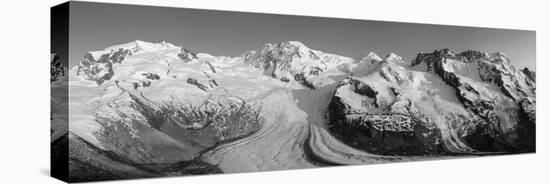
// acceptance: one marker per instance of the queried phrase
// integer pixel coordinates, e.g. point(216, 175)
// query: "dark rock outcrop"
point(362, 88)
point(204, 84)
point(301, 78)
point(187, 55)
point(151, 76)
point(389, 132)
point(531, 74)
point(528, 108)
point(119, 55)
point(142, 84)
point(101, 70)
point(212, 68)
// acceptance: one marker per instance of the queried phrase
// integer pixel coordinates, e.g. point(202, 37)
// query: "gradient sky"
point(97, 26)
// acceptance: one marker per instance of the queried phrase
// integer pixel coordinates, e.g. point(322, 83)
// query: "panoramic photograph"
point(144, 91)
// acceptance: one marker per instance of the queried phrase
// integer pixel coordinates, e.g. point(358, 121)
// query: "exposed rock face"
point(101, 70)
point(212, 68)
point(531, 74)
point(204, 83)
point(187, 55)
point(147, 81)
point(302, 79)
point(398, 130)
point(142, 84)
point(57, 68)
point(528, 108)
point(118, 56)
point(151, 76)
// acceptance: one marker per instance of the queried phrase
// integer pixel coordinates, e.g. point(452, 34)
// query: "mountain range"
point(148, 109)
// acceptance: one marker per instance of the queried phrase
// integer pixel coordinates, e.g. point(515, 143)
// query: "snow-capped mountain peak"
point(392, 57)
point(367, 65)
point(133, 47)
point(139, 45)
point(499, 57)
point(99, 66)
point(287, 49)
point(293, 60)
point(160, 45)
point(296, 44)
point(371, 57)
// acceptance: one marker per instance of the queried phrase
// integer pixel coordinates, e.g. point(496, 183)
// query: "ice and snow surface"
point(294, 116)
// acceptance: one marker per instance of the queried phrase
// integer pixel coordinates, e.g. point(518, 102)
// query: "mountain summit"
point(292, 60)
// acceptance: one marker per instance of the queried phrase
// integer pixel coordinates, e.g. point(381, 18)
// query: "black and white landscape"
point(148, 109)
point(124, 109)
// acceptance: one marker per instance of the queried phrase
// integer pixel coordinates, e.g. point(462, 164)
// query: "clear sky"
point(97, 26)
